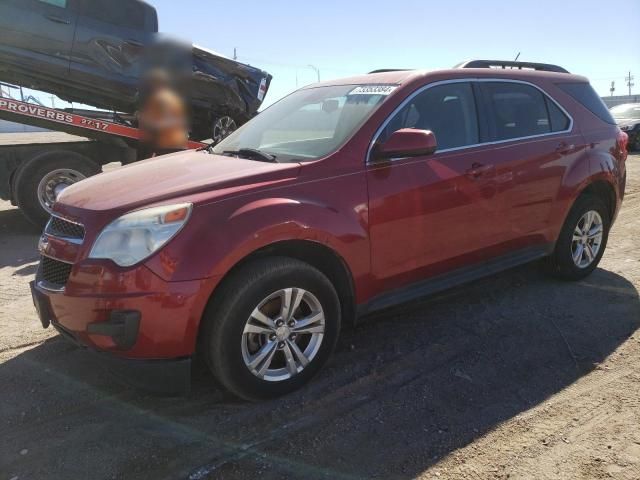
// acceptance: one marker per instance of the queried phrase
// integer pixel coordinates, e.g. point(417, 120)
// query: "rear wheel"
point(271, 328)
point(42, 179)
point(582, 240)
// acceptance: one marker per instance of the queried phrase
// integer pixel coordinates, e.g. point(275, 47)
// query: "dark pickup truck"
point(91, 51)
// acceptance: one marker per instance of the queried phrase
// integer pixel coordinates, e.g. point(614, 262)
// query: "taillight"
point(622, 141)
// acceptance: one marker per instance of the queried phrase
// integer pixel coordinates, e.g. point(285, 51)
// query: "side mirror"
point(407, 142)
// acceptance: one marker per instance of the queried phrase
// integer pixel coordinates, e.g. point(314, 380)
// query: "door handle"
point(564, 148)
point(477, 170)
point(56, 19)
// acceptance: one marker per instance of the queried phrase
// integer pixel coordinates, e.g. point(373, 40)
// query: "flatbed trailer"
point(36, 166)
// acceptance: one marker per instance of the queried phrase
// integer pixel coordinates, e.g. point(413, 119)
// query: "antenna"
point(517, 57)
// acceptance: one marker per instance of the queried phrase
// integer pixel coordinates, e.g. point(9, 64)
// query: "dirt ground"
point(515, 376)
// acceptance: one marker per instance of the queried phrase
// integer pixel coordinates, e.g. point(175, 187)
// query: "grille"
point(55, 271)
point(59, 227)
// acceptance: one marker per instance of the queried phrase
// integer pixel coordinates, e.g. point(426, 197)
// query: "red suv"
point(343, 198)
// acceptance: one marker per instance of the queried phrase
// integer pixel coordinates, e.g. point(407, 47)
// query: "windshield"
point(629, 111)
point(308, 124)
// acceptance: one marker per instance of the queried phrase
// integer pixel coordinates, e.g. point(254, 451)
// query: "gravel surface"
point(514, 376)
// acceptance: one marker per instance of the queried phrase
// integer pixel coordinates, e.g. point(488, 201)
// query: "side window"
point(55, 3)
point(516, 110)
point(448, 110)
point(121, 13)
point(559, 121)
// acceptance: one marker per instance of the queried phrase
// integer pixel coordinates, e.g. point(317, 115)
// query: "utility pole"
point(235, 54)
point(316, 69)
point(629, 78)
point(613, 88)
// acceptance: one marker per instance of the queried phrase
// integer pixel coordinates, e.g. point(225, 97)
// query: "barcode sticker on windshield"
point(373, 90)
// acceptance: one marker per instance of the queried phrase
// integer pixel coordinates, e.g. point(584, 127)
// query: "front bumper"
point(131, 313)
point(129, 334)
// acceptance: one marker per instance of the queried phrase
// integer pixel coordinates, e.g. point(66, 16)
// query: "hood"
point(198, 175)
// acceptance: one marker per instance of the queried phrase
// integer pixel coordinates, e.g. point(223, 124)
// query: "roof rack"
point(385, 70)
point(504, 64)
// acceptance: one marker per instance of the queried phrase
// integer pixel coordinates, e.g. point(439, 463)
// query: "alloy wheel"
point(223, 127)
point(587, 239)
point(283, 334)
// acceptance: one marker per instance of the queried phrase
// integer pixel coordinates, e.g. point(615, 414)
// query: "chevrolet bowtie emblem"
point(43, 244)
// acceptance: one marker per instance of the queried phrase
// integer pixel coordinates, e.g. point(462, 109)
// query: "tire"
point(72, 166)
point(561, 263)
point(226, 345)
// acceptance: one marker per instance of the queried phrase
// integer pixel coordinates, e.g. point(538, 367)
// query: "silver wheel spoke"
point(285, 308)
point(304, 361)
point(291, 363)
point(589, 252)
point(595, 231)
point(577, 255)
point(304, 324)
point(259, 329)
point(267, 350)
point(262, 318)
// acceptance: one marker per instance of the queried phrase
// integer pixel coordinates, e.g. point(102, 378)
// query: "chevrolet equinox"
point(344, 197)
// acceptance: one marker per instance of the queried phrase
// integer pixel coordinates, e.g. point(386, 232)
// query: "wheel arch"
point(318, 255)
point(603, 190)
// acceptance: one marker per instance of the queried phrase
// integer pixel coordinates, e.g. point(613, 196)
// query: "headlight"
point(136, 235)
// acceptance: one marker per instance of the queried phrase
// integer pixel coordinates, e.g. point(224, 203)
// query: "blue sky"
point(591, 37)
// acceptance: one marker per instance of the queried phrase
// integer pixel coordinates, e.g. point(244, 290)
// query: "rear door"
point(435, 213)
point(109, 43)
point(37, 35)
point(534, 136)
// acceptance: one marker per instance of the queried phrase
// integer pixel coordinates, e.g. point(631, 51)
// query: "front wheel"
point(271, 328)
point(582, 240)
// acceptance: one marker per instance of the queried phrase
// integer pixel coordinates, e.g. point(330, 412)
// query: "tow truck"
point(36, 167)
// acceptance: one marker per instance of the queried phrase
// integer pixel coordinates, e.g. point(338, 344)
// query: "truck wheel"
point(270, 328)
point(221, 127)
point(41, 179)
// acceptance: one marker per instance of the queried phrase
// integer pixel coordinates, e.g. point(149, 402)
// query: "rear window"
point(123, 13)
point(518, 110)
point(587, 96)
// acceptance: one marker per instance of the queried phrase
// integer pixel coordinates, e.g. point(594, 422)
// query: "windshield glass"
point(308, 124)
point(626, 111)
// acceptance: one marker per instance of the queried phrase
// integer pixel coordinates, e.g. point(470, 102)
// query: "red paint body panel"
point(391, 223)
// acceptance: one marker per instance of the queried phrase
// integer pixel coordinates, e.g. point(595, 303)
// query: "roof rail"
point(543, 67)
point(385, 70)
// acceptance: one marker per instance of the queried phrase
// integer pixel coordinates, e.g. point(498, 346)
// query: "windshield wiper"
point(252, 153)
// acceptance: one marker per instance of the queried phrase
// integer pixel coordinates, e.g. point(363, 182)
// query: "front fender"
point(221, 234)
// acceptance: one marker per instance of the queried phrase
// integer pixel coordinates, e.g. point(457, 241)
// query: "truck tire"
point(42, 178)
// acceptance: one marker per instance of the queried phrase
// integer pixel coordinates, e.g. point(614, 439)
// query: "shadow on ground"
point(18, 241)
point(402, 391)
